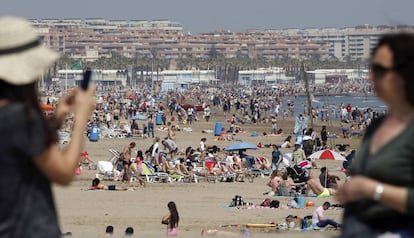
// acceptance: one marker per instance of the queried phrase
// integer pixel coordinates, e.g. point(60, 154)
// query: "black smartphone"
point(86, 79)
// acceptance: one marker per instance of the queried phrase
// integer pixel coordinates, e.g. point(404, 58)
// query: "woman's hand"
point(84, 103)
point(357, 188)
point(64, 106)
point(77, 101)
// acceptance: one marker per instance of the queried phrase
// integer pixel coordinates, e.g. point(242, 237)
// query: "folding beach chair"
point(149, 174)
point(115, 155)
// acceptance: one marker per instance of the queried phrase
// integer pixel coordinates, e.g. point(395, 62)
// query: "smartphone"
point(86, 79)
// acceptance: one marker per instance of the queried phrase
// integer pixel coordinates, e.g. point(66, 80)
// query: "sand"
point(201, 205)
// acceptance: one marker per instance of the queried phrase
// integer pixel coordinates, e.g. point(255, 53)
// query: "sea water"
point(333, 101)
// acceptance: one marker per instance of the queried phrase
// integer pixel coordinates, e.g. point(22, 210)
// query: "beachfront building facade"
point(184, 79)
point(94, 38)
point(70, 78)
point(337, 76)
point(264, 77)
point(348, 43)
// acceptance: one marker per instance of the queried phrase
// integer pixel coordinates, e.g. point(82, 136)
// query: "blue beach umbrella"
point(240, 146)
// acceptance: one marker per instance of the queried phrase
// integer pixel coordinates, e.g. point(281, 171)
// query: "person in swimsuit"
point(97, 184)
point(171, 219)
point(126, 157)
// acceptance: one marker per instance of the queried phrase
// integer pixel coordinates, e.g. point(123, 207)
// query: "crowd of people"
point(376, 200)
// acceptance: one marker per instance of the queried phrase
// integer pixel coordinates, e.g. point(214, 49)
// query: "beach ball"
point(310, 204)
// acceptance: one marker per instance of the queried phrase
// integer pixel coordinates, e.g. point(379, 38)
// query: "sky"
point(235, 15)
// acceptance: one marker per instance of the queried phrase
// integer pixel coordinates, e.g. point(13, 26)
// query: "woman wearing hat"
point(28, 140)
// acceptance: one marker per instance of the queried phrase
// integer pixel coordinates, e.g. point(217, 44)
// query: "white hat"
point(23, 58)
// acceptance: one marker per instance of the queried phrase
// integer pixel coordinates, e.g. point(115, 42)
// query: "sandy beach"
point(201, 205)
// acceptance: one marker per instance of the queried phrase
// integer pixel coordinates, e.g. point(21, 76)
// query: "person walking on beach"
point(277, 158)
point(324, 137)
point(138, 161)
point(28, 140)
point(171, 219)
point(150, 126)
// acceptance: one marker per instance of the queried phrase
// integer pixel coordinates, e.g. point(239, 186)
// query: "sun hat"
point(23, 57)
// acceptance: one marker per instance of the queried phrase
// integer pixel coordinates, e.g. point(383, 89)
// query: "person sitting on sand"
point(286, 143)
point(85, 159)
point(318, 220)
point(287, 185)
point(274, 182)
point(97, 184)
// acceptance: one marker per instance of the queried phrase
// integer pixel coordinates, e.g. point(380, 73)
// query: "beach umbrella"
point(46, 107)
point(327, 155)
point(132, 96)
point(140, 117)
point(241, 146)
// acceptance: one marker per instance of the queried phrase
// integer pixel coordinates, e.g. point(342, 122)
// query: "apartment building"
point(94, 38)
point(347, 43)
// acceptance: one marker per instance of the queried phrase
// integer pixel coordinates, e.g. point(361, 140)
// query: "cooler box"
point(217, 129)
point(94, 135)
point(302, 202)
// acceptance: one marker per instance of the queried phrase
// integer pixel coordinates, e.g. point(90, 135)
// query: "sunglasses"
point(378, 69)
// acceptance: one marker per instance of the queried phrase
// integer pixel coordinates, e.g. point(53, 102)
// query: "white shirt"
point(154, 151)
point(317, 215)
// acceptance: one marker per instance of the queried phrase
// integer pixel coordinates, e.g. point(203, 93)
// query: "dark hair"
point(323, 169)
point(140, 155)
point(132, 144)
point(28, 95)
point(109, 229)
point(402, 48)
point(95, 182)
point(174, 218)
point(129, 231)
point(327, 204)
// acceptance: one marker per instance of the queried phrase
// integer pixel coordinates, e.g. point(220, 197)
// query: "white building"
point(183, 79)
point(270, 77)
point(322, 76)
point(70, 78)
